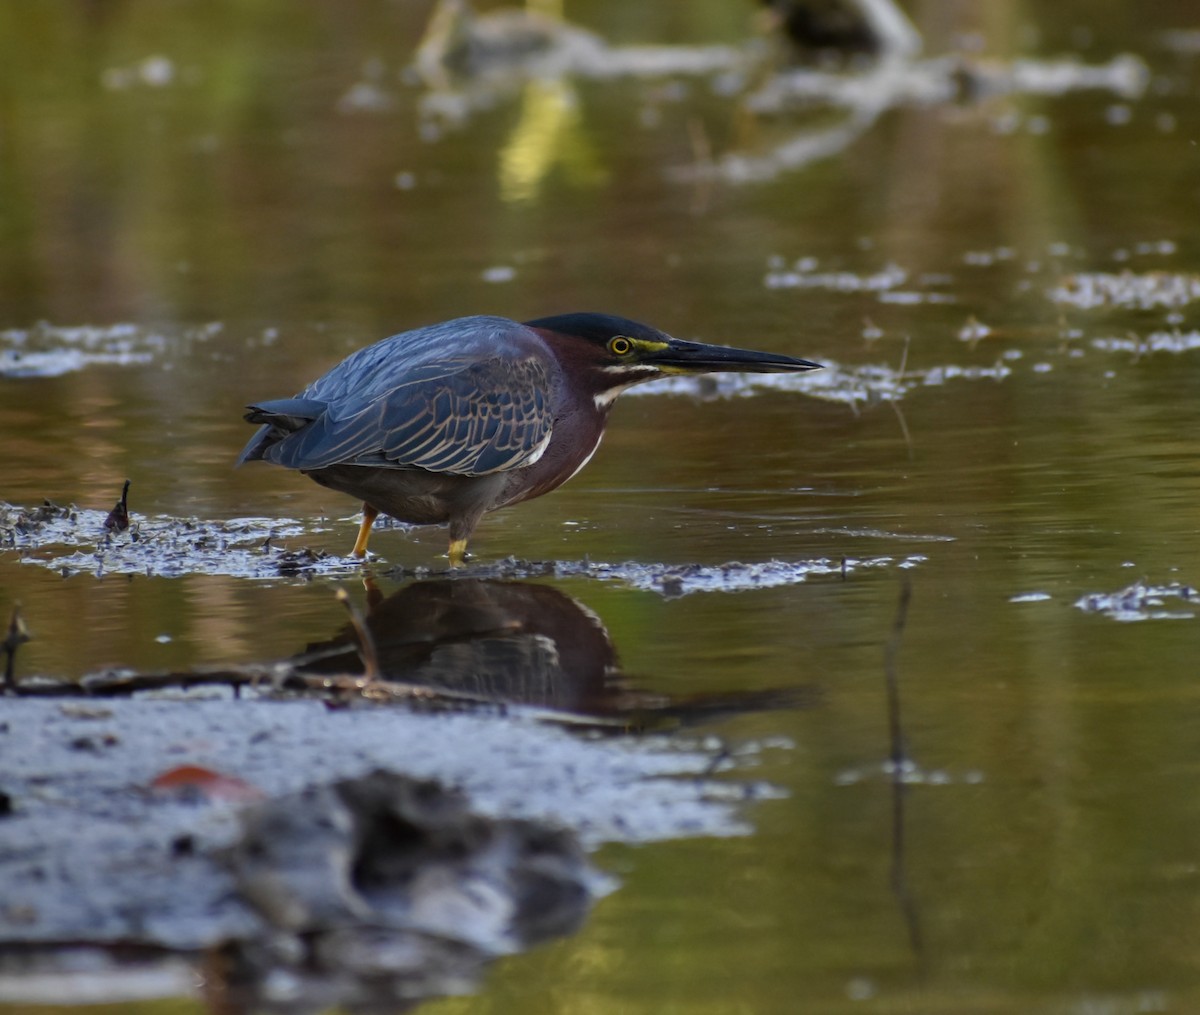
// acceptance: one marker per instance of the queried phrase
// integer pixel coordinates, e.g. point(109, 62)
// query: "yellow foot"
point(369, 514)
point(458, 552)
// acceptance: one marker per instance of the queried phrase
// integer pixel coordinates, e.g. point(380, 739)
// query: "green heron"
point(445, 423)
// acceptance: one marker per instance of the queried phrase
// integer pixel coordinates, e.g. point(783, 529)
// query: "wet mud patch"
point(75, 540)
point(605, 789)
point(344, 869)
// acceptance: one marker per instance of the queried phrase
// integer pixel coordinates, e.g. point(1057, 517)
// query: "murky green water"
point(1005, 291)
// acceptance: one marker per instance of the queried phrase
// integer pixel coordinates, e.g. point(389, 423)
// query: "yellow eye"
point(620, 346)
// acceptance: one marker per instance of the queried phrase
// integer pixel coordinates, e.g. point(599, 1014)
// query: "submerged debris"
point(513, 44)
point(1030, 597)
point(974, 331)
point(898, 79)
point(18, 525)
point(469, 61)
point(868, 384)
point(908, 773)
point(1146, 291)
point(1141, 601)
point(49, 350)
point(803, 275)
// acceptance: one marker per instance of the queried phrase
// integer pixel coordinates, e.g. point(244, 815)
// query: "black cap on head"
point(597, 327)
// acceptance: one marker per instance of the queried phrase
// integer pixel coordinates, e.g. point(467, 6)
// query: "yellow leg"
point(458, 552)
point(374, 592)
point(364, 530)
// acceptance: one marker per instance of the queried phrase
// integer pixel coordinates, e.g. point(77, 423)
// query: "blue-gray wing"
point(467, 416)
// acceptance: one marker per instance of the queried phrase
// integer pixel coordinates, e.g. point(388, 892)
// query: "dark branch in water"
point(895, 728)
point(899, 875)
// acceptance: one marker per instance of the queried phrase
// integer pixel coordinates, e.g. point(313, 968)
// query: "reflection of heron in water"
point(513, 642)
point(505, 641)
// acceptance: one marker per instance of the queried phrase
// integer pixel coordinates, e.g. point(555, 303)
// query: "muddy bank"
point(316, 856)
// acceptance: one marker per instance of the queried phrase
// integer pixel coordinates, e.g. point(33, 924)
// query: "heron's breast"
point(573, 442)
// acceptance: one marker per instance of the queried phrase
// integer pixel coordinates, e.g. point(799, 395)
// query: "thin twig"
point(896, 405)
point(903, 359)
point(903, 426)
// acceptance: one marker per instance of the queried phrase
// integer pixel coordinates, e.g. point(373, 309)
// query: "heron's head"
point(609, 353)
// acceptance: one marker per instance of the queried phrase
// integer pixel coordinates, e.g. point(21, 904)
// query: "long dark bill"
point(696, 357)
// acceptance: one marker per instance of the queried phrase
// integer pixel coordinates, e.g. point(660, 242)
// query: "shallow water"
point(201, 208)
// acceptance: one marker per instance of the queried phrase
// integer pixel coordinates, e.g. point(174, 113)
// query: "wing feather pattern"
point(467, 414)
